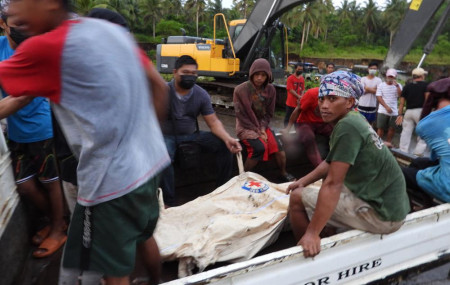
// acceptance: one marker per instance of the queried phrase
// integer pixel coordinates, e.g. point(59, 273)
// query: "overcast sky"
point(337, 3)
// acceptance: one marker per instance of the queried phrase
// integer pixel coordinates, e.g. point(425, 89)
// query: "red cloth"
point(296, 84)
point(309, 105)
point(271, 145)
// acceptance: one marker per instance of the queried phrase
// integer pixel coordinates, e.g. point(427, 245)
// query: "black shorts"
point(33, 159)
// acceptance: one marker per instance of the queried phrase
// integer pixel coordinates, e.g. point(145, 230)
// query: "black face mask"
point(188, 81)
point(17, 36)
point(298, 72)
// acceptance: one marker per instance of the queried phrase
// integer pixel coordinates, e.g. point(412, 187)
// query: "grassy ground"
point(377, 53)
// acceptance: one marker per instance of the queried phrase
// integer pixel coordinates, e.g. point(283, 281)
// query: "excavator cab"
point(262, 35)
point(217, 57)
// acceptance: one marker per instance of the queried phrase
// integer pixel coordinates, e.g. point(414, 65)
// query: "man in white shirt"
point(387, 95)
point(368, 102)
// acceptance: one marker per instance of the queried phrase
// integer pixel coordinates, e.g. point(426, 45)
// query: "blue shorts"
point(370, 113)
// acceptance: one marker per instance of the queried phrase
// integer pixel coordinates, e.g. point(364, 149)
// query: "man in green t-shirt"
point(363, 186)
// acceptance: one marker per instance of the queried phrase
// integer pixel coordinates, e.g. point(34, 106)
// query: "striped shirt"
point(390, 97)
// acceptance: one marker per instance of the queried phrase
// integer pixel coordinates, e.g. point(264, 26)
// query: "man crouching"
point(363, 186)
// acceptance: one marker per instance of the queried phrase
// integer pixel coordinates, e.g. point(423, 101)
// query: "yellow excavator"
point(261, 35)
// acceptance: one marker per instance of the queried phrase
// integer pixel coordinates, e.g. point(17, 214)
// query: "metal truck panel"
point(352, 257)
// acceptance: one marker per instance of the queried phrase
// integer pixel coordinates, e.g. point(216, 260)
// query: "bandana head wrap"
point(341, 83)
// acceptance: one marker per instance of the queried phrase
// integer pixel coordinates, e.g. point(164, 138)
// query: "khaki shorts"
point(350, 213)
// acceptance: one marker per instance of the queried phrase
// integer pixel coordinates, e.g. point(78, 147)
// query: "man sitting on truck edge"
point(254, 105)
point(363, 185)
point(187, 102)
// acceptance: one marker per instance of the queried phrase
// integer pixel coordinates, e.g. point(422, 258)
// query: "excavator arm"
point(264, 14)
point(416, 18)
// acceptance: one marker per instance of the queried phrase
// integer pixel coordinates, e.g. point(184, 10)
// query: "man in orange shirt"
point(295, 86)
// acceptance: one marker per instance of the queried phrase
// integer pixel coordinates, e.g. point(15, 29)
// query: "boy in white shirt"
point(368, 102)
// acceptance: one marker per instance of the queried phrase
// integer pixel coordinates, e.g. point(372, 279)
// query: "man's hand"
point(399, 120)
point(311, 244)
point(233, 145)
point(298, 184)
point(389, 110)
point(263, 136)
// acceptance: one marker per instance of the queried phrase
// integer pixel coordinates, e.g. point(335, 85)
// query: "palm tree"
point(244, 6)
point(131, 12)
point(170, 8)
point(347, 10)
point(393, 15)
point(310, 16)
point(371, 17)
point(151, 11)
point(198, 6)
point(325, 8)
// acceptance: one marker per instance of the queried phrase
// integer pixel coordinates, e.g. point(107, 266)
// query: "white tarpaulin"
point(232, 223)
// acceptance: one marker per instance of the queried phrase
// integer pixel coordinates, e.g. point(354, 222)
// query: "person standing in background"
point(414, 95)
point(295, 87)
point(387, 95)
point(368, 102)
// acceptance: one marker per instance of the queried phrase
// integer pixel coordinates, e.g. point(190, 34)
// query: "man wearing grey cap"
point(414, 95)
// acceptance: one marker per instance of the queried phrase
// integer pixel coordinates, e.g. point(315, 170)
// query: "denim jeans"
point(209, 143)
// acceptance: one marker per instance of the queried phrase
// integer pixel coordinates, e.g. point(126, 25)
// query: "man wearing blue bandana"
point(363, 186)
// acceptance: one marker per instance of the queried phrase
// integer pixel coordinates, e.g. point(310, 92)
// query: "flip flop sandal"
point(41, 235)
point(48, 247)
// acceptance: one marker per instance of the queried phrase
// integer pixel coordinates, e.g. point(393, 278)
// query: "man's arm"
point(292, 91)
point(292, 119)
point(159, 90)
point(373, 90)
point(381, 101)
point(9, 105)
point(328, 199)
point(399, 119)
point(319, 172)
point(217, 129)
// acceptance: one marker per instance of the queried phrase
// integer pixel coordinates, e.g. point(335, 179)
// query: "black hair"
point(439, 89)
point(108, 15)
point(330, 63)
point(372, 63)
point(185, 60)
point(298, 65)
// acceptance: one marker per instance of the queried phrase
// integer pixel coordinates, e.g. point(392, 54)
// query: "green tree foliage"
point(169, 28)
point(316, 27)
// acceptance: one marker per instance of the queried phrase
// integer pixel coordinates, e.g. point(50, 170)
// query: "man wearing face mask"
point(295, 87)
point(368, 101)
point(30, 139)
point(187, 102)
